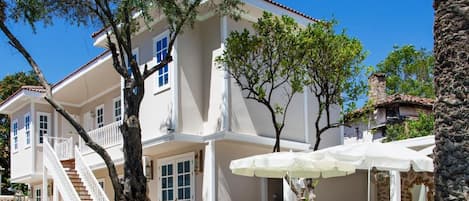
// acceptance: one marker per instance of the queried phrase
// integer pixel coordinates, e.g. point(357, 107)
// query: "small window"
point(161, 50)
point(176, 178)
point(100, 116)
point(37, 194)
point(27, 128)
point(15, 134)
point(117, 109)
point(44, 128)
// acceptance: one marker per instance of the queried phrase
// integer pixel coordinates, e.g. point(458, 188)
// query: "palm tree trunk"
point(451, 108)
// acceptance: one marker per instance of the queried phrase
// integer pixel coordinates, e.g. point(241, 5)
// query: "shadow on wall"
point(166, 124)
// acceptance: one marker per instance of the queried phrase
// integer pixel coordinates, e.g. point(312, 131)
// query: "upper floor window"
point(117, 109)
point(161, 50)
point(135, 57)
point(15, 134)
point(100, 116)
point(176, 178)
point(27, 128)
point(44, 128)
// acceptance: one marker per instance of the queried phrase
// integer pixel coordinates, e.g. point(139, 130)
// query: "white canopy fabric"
point(383, 156)
point(295, 164)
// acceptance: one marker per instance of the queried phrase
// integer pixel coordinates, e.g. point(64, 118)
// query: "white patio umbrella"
point(295, 164)
point(382, 156)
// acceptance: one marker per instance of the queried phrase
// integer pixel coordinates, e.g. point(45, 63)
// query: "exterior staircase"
point(69, 166)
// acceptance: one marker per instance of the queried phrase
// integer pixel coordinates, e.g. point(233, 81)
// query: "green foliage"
point(333, 65)
point(281, 58)
point(423, 126)
point(266, 64)
point(9, 85)
point(408, 71)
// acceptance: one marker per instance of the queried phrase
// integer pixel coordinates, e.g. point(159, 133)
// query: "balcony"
point(106, 136)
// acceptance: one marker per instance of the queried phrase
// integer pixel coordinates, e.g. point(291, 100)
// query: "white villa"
point(194, 122)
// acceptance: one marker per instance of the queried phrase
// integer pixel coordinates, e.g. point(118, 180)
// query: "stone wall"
point(411, 178)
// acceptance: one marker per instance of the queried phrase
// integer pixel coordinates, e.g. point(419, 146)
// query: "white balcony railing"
point(88, 178)
point(63, 147)
point(106, 136)
point(54, 167)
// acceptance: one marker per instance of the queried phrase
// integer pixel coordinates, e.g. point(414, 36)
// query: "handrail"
point(106, 136)
point(52, 162)
point(88, 178)
point(64, 148)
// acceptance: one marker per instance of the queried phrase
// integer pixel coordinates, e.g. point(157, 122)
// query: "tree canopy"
point(423, 126)
point(408, 71)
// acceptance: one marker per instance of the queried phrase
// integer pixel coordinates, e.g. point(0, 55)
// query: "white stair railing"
point(106, 136)
point(88, 178)
point(63, 147)
point(54, 167)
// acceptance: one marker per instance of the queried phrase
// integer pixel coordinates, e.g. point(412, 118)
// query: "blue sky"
point(380, 25)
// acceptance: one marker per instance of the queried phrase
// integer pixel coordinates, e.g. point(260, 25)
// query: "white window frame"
point(101, 180)
point(27, 130)
point(114, 109)
point(174, 160)
point(98, 125)
point(36, 189)
point(48, 130)
point(159, 89)
point(14, 130)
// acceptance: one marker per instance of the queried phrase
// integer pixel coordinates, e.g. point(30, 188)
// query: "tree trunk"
point(451, 109)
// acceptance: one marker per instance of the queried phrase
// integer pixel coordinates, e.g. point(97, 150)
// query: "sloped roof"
point(94, 34)
point(400, 99)
point(406, 99)
point(31, 88)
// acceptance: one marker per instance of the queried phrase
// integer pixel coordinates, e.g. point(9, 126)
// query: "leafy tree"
point(333, 68)
point(423, 126)
point(9, 85)
point(265, 64)
point(118, 18)
point(451, 108)
point(408, 71)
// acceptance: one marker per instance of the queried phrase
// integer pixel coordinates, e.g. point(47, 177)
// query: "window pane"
point(158, 45)
point(180, 168)
point(165, 42)
point(163, 171)
point(164, 183)
point(187, 193)
point(180, 180)
point(187, 180)
point(165, 196)
point(170, 183)
point(170, 169)
point(180, 193)
point(160, 81)
point(187, 166)
point(170, 195)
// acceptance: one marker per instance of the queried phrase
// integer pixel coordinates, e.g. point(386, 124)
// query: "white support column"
point(175, 88)
point(264, 189)
point(44, 193)
point(210, 173)
point(395, 187)
point(33, 136)
point(227, 79)
point(55, 195)
point(56, 126)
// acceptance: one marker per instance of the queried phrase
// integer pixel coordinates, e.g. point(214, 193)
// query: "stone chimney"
point(377, 87)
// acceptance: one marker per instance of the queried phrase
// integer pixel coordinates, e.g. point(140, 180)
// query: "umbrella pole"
point(368, 194)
